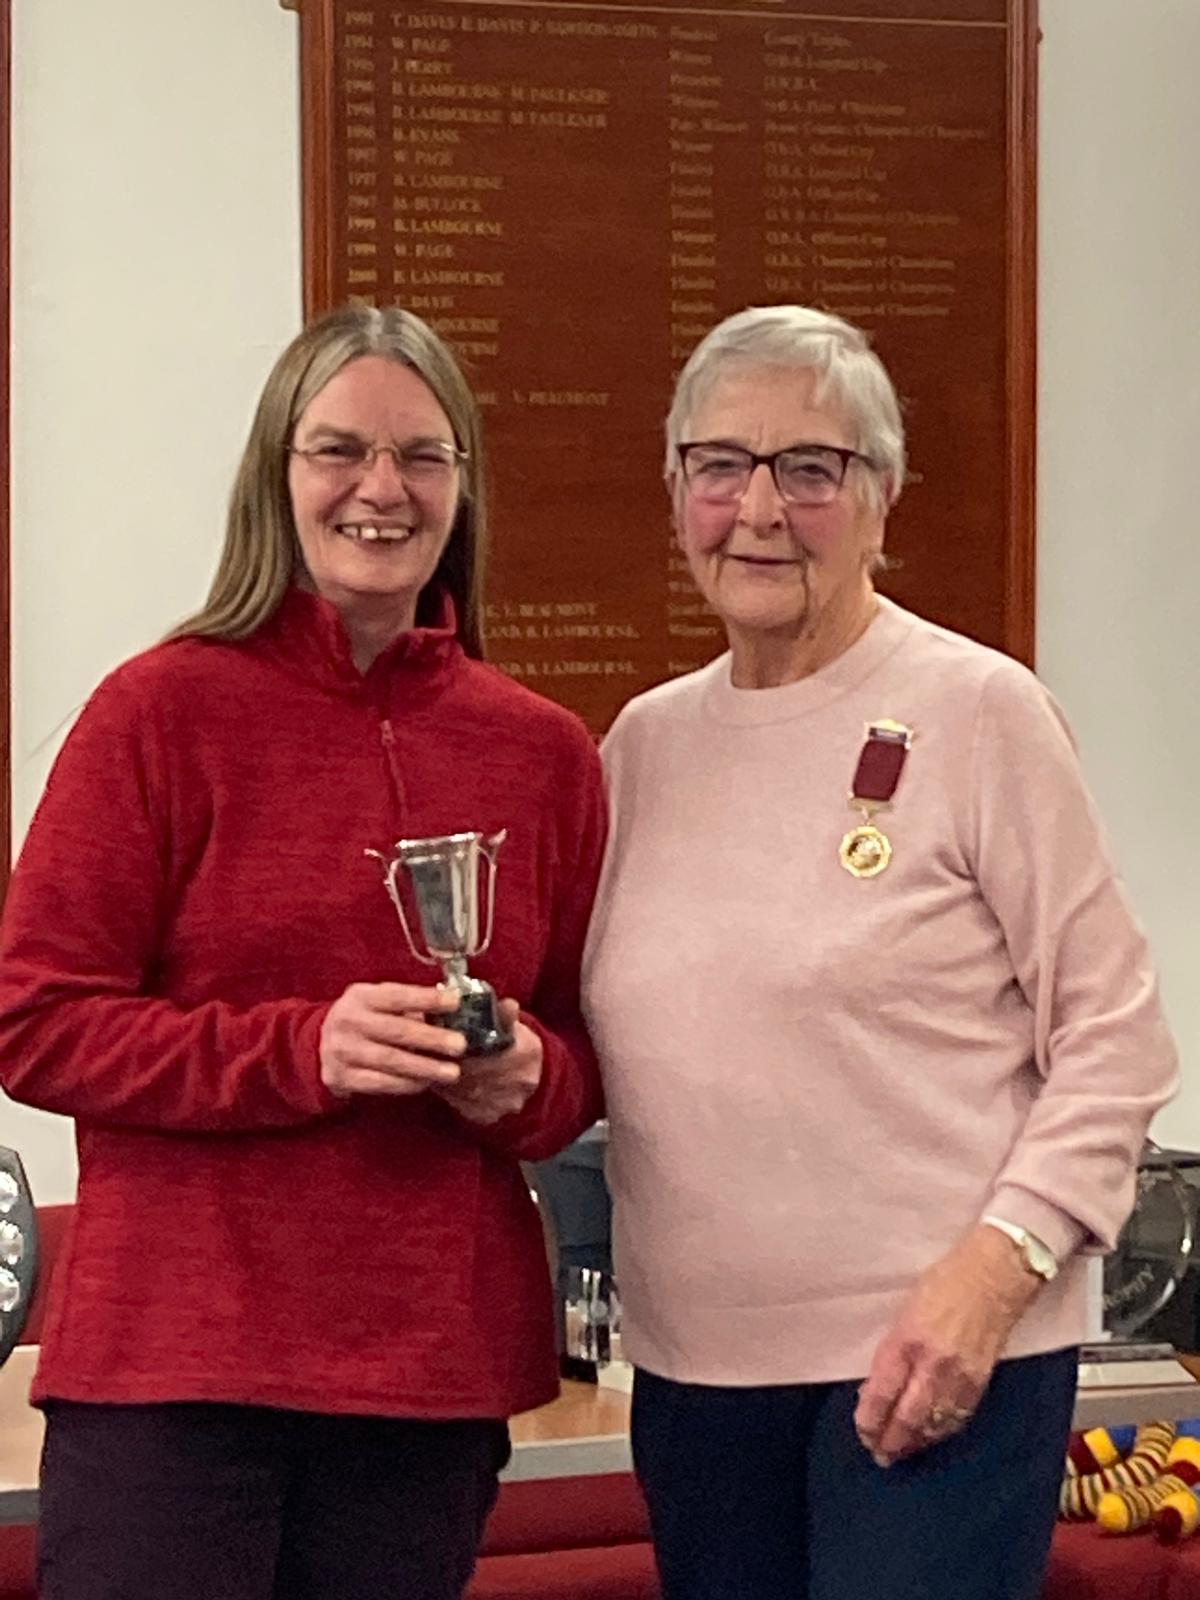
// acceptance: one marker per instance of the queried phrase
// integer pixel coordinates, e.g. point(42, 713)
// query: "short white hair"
point(847, 370)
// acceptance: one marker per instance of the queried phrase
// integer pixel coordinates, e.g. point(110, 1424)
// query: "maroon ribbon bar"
point(880, 764)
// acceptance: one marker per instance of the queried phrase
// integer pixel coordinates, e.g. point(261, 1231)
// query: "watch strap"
point(1036, 1255)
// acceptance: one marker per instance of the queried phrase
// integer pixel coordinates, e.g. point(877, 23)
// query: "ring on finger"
point(946, 1419)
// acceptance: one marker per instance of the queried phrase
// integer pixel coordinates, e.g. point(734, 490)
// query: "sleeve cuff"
point(324, 1102)
point(1058, 1231)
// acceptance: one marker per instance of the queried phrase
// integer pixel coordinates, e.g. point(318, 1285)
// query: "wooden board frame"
point(1021, 562)
point(1018, 599)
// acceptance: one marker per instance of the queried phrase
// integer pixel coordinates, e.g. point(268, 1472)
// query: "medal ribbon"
point(880, 764)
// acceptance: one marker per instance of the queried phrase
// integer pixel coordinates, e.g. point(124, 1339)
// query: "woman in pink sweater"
point(876, 1082)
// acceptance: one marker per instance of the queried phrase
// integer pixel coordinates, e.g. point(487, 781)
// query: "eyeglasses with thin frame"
point(418, 461)
point(804, 474)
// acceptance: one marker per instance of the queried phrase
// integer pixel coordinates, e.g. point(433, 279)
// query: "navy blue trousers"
point(766, 1493)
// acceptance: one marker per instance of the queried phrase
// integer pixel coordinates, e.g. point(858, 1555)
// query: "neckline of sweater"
point(887, 631)
point(307, 635)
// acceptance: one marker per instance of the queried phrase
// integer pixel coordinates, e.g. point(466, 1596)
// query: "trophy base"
point(478, 1020)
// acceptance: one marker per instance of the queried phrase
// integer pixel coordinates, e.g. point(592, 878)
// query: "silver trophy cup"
point(442, 878)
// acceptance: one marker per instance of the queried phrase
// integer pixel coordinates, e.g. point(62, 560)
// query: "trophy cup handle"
point(390, 868)
point(490, 849)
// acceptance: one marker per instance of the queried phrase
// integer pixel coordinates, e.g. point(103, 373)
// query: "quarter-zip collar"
point(306, 637)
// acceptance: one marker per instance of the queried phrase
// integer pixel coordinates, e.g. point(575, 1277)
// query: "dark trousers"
point(766, 1493)
point(225, 1502)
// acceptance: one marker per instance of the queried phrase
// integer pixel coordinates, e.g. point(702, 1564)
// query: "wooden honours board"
point(574, 193)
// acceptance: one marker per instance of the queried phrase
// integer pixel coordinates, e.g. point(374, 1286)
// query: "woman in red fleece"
point(305, 1285)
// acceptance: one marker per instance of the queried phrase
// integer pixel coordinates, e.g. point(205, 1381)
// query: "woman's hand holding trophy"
point(375, 1040)
point(491, 1087)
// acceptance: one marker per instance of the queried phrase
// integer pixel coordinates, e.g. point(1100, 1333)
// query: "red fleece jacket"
point(192, 896)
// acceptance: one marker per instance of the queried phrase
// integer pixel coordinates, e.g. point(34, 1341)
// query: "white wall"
point(157, 272)
point(156, 276)
point(1119, 442)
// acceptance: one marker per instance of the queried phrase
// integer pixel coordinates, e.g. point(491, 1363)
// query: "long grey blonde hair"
point(261, 553)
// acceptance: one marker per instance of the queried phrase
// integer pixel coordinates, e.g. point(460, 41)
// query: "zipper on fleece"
point(387, 736)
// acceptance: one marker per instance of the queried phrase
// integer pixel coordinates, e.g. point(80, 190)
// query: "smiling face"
point(372, 538)
point(769, 568)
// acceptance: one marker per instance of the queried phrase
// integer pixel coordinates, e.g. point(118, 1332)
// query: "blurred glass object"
point(1153, 1253)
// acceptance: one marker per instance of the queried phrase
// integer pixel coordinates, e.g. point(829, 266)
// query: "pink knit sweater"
point(817, 1083)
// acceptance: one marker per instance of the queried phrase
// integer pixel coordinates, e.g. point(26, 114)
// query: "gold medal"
point(866, 850)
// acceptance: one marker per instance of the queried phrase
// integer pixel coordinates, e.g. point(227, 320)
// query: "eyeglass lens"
point(420, 460)
point(806, 475)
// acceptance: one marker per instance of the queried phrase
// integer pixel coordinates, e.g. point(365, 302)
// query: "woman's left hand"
point(932, 1368)
point(491, 1087)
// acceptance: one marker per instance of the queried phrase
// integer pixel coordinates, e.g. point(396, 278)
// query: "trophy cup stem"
point(477, 1015)
point(455, 970)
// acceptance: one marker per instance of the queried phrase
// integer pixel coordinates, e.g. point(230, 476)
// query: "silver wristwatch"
point(1036, 1257)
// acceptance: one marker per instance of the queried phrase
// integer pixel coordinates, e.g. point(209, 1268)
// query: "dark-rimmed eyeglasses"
point(804, 474)
point(420, 461)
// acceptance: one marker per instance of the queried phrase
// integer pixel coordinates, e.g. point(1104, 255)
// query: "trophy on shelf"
point(592, 1316)
point(18, 1251)
point(1140, 1278)
point(442, 877)
point(591, 1311)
